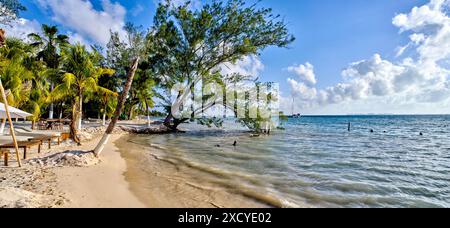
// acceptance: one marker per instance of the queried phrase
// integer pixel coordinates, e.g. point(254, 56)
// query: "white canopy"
point(15, 113)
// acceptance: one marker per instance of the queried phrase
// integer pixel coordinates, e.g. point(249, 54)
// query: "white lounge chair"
point(24, 131)
point(8, 138)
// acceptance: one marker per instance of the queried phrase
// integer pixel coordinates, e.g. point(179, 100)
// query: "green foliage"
point(119, 55)
point(81, 75)
point(9, 10)
point(210, 122)
point(24, 77)
point(80, 81)
point(183, 46)
point(189, 46)
point(49, 45)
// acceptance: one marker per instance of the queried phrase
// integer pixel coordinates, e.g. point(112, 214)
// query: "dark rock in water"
point(384, 131)
point(372, 131)
point(217, 145)
point(421, 134)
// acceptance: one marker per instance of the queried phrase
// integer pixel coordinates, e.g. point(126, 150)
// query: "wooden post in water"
point(349, 126)
point(11, 125)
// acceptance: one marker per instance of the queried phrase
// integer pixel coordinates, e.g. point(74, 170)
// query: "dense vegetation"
point(51, 77)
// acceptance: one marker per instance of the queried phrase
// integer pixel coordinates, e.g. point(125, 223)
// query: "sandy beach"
point(67, 177)
point(101, 185)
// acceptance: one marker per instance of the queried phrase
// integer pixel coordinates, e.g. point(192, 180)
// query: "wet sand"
point(161, 184)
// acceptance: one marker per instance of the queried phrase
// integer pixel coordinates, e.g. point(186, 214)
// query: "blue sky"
point(331, 35)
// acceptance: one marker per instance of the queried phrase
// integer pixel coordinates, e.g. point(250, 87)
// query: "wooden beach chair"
point(45, 138)
point(5, 155)
point(40, 135)
point(42, 125)
point(22, 145)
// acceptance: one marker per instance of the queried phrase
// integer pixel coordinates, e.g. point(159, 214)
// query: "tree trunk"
point(52, 106)
point(123, 97)
point(104, 118)
point(148, 113)
point(176, 123)
point(171, 123)
point(33, 125)
point(80, 112)
point(73, 124)
point(61, 111)
point(2, 128)
point(168, 120)
point(130, 114)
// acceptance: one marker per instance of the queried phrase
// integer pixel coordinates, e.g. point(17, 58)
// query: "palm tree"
point(50, 45)
point(145, 93)
point(15, 75)
point(107, 99)
point(120, 104)
point(80, 80)
point(25, 77)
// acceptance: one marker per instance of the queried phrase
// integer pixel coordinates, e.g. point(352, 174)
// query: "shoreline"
point(127, 175)
point(162, 184)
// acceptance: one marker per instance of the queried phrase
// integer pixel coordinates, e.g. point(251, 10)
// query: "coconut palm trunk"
point(52, 106)
point(2, 128)
point(123, 97)
point(61, 111)
point(80, 112)
point(73, 124)
point(148, 113)
point(104, 117)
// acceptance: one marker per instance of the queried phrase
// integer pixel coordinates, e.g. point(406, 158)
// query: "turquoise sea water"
point(317, 162)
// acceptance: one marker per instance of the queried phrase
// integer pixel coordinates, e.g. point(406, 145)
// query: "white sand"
point(102, 185)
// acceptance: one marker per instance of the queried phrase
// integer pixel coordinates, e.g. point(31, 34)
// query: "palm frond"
point(69, 79)
point(35, 37)
point(106, 92)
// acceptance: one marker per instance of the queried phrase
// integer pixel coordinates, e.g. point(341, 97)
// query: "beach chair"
point(39, 136)
point(8, 138)
point(58, 126)
point(42, 125)
point(4, 154)
point(22, 130)
point(44, 138)
point(22, 145)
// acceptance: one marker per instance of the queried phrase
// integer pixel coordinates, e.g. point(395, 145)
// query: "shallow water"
point(316, 161)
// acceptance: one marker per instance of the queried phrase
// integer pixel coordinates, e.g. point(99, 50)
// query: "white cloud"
point(89, 23)
point(430, 27)
point(304, 72)
point(301, 90)
point(22, 27)
point(77, 38)
point(420, 80)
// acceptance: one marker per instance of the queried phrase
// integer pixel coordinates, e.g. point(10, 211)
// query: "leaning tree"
point(190, 47)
